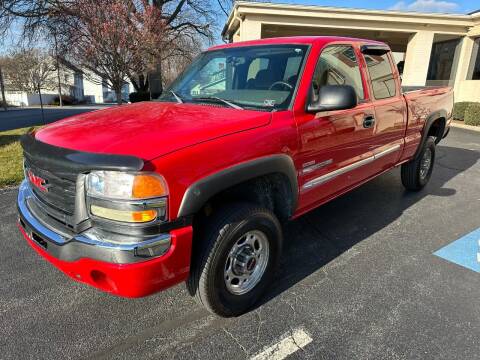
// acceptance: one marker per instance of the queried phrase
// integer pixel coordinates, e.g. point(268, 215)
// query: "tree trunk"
point(155, 82)
point(119, 96)
point(143, 83)
point(58, 71)
point(133, 80)
point(140, 84)
point(41, 105)
point(2, 87)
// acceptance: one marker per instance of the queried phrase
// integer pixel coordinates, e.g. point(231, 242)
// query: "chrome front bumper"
point(91, 244)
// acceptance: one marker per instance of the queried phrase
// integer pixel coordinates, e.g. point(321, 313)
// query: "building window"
point(381, 76)
point(338, 65)
point(474, 70)
point(443, 62)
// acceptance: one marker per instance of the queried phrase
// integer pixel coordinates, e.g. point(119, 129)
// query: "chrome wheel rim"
point(246, 262)
point(426, 163)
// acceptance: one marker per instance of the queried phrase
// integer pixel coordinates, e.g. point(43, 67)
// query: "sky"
point(437, 6)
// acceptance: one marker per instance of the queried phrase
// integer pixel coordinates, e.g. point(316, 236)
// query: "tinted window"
point(441, 69)
point(474, 70)
point(381, 75)
point(338, 65)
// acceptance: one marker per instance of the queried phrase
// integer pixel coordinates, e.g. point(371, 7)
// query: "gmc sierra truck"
point(195, 185)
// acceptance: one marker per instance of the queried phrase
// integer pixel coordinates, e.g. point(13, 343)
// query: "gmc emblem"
point(37, 181)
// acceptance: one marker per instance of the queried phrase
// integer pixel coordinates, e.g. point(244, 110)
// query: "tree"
point(188, 22)
point(2, 88)
point(181, 25)
point(31, 71)
point(113, 38)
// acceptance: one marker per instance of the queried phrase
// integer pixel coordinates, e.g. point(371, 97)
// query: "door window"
point(211, 78)
point(338, 65)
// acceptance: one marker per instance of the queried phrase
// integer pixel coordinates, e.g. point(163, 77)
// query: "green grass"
point(11, 157)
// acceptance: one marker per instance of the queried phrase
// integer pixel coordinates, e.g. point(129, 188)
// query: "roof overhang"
point(451, 23)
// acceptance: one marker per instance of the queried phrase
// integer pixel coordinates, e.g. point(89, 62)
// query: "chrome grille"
point(58, 200)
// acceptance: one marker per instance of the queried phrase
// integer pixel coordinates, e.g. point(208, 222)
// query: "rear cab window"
point(381, 75)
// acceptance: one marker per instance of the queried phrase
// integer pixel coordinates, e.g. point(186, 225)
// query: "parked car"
point(195, 186)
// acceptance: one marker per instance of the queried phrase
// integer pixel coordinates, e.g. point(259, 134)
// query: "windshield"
point(255, 77)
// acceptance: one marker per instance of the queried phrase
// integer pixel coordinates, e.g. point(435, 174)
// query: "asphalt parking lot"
point(358, 279)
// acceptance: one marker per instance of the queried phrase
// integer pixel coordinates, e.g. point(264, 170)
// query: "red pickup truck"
point(194, 186)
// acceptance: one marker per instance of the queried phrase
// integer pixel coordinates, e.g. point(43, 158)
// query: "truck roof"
point(297, 40)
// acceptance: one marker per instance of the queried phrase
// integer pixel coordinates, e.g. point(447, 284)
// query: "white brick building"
point(437, 49)
point(83, 86)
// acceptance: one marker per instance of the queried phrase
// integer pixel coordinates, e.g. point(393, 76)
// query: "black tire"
point(211, 251)
point(414, 178)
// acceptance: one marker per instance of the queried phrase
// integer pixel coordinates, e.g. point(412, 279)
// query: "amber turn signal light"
point(148, 186)
point(141, 216)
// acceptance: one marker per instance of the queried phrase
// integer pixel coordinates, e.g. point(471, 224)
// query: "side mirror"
point(333, 97)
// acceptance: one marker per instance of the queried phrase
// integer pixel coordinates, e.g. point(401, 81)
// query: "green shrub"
point(66, 100)
point(139, 96)
point(472, 114)
point(459, 109)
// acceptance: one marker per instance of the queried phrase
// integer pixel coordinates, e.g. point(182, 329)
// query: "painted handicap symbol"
point(464, 251)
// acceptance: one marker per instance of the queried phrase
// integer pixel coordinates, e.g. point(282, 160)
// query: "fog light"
point(155, 250)
point(141, 216)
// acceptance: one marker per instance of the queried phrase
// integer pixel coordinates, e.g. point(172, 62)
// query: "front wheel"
point(417, 172)
point(237, 256)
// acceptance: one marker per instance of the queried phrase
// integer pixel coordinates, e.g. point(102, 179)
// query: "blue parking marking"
point(464, 251)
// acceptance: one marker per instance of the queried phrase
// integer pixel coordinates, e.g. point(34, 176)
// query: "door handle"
point(368, 121)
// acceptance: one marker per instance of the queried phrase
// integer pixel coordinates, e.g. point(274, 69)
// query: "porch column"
point(250, 30)
point(463, 62)
point(417, 58)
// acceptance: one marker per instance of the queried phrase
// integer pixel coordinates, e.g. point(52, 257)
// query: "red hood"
point(148, 129)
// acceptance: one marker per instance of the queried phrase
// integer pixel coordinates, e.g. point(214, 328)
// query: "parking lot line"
point(464, 251)
point(289, 344)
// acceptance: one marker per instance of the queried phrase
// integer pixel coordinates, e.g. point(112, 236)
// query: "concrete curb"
point(466, 127)
point(8, 188)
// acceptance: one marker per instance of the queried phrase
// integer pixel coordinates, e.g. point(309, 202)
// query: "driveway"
point(358, 280)
point(24, 117)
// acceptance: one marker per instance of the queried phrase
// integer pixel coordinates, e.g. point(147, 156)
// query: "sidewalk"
point(461, 125)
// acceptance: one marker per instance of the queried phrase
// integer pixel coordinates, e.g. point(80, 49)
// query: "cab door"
point(335, 147)
point(390, 117)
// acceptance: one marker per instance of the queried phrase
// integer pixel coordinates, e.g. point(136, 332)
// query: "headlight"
point(127, 197)
point(125, 186)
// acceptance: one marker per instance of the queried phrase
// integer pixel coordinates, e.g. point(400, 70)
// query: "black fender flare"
point(202, 190)
point(439, 114)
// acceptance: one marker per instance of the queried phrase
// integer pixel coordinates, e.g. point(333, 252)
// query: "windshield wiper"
point(218, 99)
point(178, 98)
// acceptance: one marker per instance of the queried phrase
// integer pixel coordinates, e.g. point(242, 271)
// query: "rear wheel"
point(238, 252)
point(417, 172)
